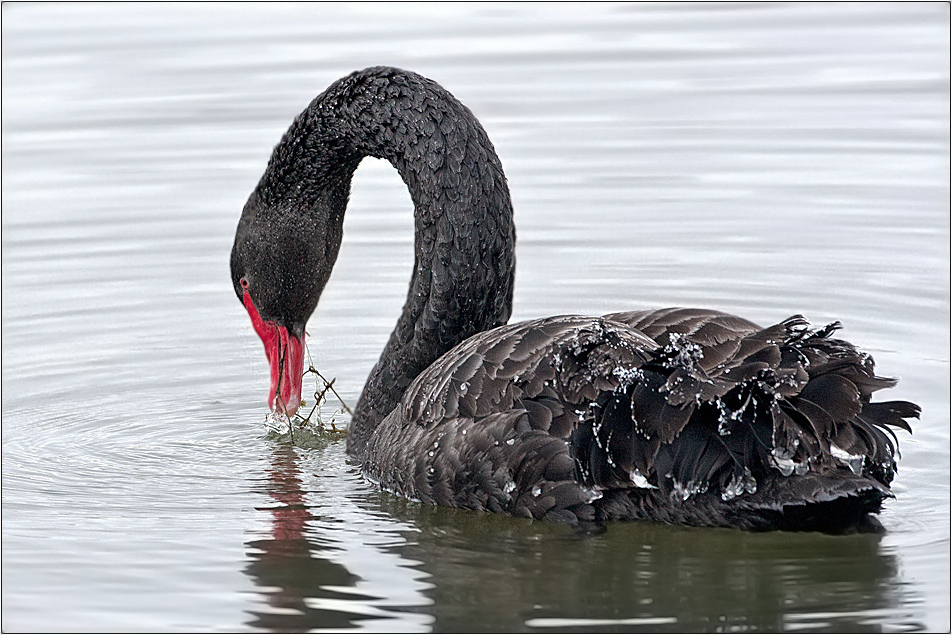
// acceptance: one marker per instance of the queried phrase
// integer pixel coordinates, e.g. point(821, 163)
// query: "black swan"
point(684, 416)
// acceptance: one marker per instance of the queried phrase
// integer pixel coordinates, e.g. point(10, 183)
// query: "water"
point(761, 159)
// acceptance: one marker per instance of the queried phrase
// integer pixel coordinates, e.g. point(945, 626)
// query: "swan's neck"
point(464, 235)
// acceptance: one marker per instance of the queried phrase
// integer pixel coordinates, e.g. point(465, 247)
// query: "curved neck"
point(464, 234)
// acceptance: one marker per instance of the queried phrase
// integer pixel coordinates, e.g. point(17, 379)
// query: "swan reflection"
point(329, 560)
point(342, 556)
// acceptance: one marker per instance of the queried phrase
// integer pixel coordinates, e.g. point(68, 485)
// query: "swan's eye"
point(243, 282)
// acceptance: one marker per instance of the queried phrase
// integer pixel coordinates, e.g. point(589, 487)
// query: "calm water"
point(763, 159)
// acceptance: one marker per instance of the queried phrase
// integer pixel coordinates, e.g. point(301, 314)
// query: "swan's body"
point(679, 415)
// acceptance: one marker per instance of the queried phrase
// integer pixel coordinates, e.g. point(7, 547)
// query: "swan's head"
point(280, 263)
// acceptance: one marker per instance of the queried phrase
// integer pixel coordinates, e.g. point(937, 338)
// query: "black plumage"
point(679, 415)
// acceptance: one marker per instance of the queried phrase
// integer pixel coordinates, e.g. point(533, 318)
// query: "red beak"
point(285, 353)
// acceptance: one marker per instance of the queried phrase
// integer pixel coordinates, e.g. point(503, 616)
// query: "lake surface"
point(761, 159)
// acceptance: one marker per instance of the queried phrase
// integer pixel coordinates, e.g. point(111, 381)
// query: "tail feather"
point(780, 431)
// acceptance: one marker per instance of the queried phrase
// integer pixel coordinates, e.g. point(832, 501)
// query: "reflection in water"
point(382, 563)
point(282, 564)
point(646, 576)
point(298, 567)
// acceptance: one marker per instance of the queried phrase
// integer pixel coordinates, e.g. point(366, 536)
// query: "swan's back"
point(679, 415)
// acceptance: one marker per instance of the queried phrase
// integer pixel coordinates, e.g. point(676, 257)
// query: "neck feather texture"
point(464, 235)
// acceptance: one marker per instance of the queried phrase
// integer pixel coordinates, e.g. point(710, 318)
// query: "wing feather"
point(682, 415)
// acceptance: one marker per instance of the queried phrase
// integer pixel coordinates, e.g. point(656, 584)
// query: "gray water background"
point(764, 159)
